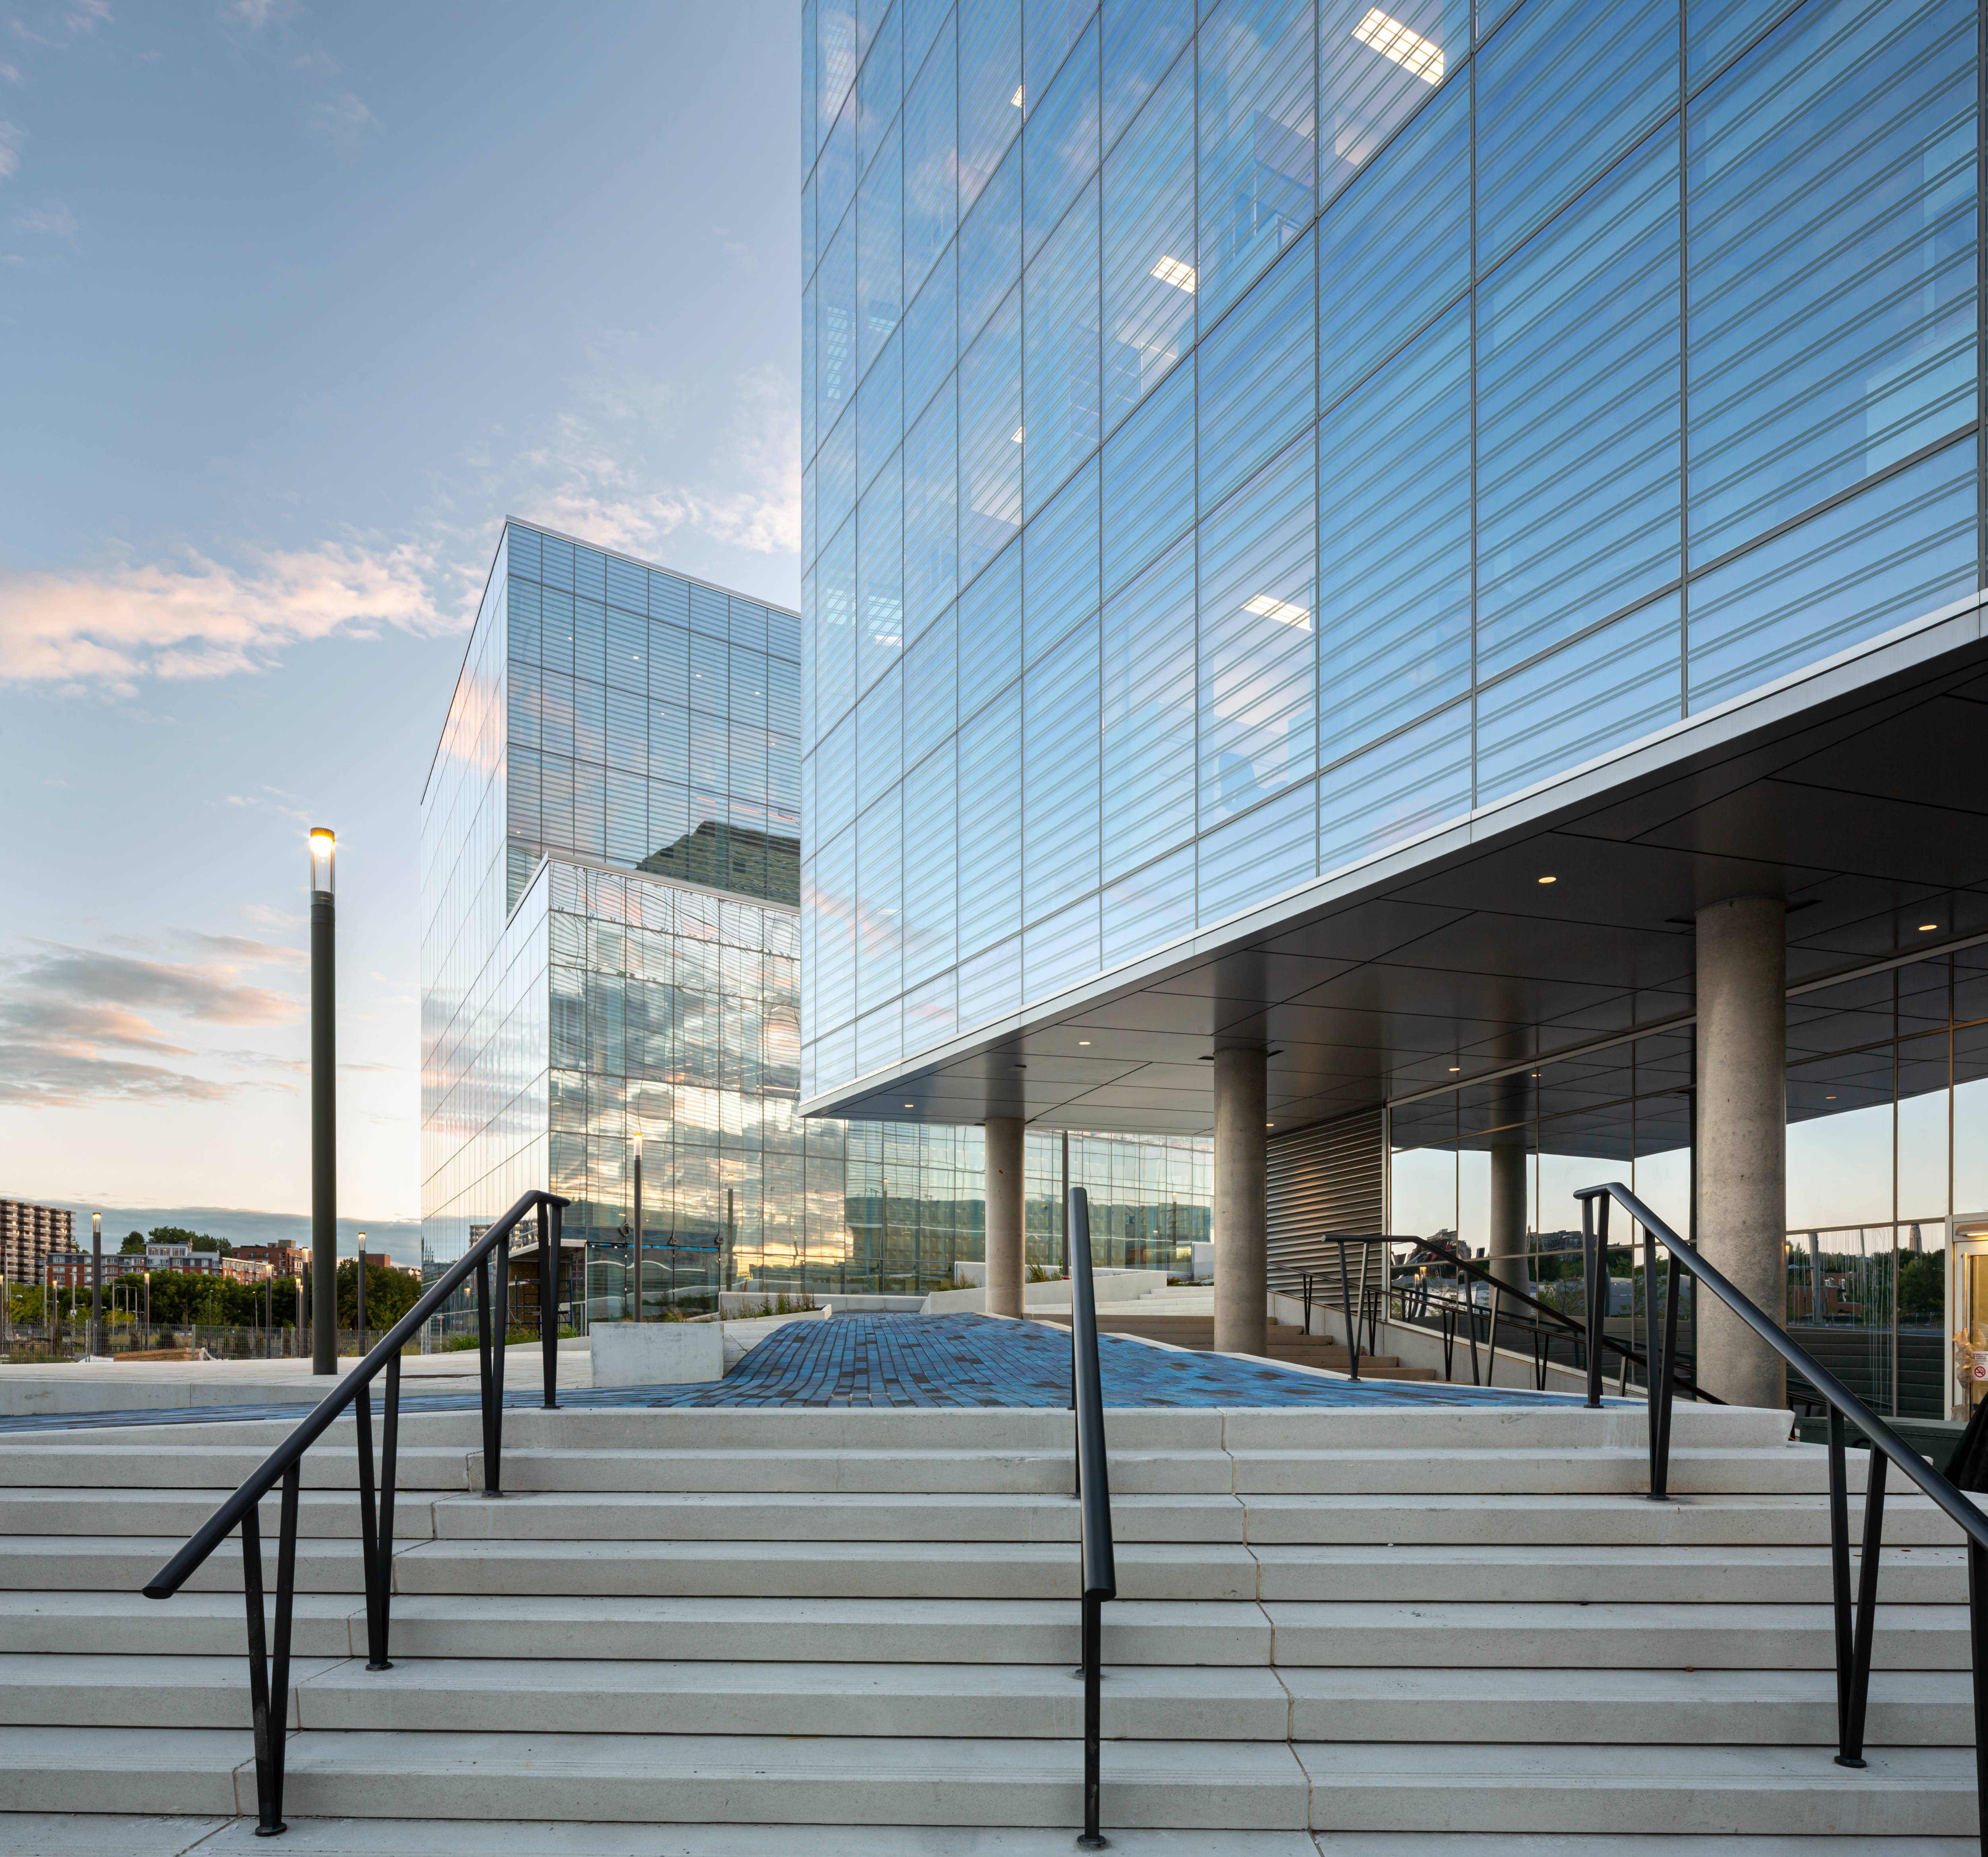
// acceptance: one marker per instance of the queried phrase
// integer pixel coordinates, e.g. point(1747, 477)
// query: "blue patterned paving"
point(921, 1361)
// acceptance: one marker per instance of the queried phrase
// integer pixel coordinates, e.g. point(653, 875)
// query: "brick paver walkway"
point(923, 1361)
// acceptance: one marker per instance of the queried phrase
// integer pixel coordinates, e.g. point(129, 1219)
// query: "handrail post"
point(1654, 1372)
point(493, 1464)
point(383, 1551)
point(1346, 1309)
point(268, 1735)
point(1851, 1753)
point(548, 1269)
point(1977, 1637)
point(1839, 1572)
point(1594, 1264)
point(1098, 1576)
point(1665, 1373)
point(483, 1367)
point(369, 1555)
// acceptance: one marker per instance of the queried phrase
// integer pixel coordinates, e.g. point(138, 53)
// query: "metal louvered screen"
point(1328, 1179)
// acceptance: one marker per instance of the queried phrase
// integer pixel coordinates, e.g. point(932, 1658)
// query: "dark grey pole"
point(324, 1108)
point(97, 1282)
point(635, 1234)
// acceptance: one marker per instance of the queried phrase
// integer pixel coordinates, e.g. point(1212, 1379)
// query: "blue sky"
point(297, 302)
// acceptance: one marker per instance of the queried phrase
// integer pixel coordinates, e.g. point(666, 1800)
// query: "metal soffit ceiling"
point(1858, 791)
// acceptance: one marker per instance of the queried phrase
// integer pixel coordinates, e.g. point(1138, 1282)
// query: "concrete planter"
point(657, 1354)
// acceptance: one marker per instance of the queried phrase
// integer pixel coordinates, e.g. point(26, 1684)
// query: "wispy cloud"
point(342, 118)
point(55, 222)
point(196, 617)
point(595, 481)
point(57, 27)
point(12, 137)
point(252, 16)
point(80, 1025)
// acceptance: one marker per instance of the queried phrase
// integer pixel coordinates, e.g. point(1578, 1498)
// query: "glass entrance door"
point(1967, 1321)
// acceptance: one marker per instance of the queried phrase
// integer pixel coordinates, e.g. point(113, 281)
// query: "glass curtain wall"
point(611, 962)
point(1236, 438)
point(1888, 1153)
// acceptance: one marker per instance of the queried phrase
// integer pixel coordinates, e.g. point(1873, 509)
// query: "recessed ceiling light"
point(1171, 271)
point(1454, 1068)
point(1419, 56)
point(1269, 1125)
point(1016, 99)
point(1927, 928)
point(908, 1105)
point(1549, 879)
point(1266, 606)
point(1829, 1099)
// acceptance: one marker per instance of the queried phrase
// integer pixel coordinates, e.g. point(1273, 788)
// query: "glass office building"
point(610, 961)
point(1232, 449)
point(1246, 442)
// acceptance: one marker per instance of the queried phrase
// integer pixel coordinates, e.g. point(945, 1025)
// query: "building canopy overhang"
point(1856, 790)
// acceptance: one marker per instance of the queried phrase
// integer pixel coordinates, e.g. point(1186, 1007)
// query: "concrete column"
point(1006, 1271)
point(1742, 1138)
point(1511, 1181)
point(1241, 1319)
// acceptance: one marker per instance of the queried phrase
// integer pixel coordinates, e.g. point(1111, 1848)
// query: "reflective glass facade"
point(610, 960)
point(1239, 438)
point(1888, 1155)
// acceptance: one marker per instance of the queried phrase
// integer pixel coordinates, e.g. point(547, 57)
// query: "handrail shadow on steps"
point(1853, 1627)
point(1099, 1578)
point(269, 1675)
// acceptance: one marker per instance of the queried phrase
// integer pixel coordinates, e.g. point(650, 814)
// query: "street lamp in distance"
point(97, 1282)
point(359, 1309)
point(324, 1100)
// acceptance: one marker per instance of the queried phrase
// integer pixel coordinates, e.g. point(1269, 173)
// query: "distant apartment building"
point(280, 1260)
point(71, 1269)
point(29, 1236)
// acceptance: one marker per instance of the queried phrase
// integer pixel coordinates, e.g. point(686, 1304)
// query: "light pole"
point(148, 1308)
point(324, 1103)
point(359, 1305)
point(635, 1239)
point(97, 1282)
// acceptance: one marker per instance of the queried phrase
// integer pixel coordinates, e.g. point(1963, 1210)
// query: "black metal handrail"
point(1100, 1578)
point(1854, 1627)
point(269, 1679)
point(1450, 1251)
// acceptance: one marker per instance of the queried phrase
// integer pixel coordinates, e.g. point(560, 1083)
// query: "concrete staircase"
point(1378, 1630)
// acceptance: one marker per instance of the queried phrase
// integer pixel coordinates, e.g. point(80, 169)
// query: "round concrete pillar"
point(1007, 1270)
point(1511, 1183)
point(1240, 1285)
point(1743, 1139)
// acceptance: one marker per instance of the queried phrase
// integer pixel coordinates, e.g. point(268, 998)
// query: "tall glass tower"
point(610, 964)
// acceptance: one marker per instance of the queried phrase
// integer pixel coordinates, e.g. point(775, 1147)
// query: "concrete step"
point(1436, 1635)
point(118, 1834)
point(1785, 1470)
point(504, 1695)
point(1602, 1519)
point(1742, 1708)
point(667, 1779)
point(820, 1516)
point(748, 1630)
point(871, 1471)
point(1606, 1792)
point(323, 1513)
point(1766, 1577)
point(1655, 1575)
point(1559, 1844)
point(166, 1463)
